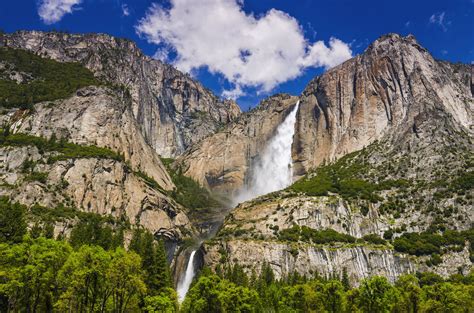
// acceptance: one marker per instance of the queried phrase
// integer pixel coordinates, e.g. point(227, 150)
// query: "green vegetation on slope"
point(48, 79)
point(83, 274)
point(188, 192)
point(66, 149)
point(427, 243)
point(343, 177)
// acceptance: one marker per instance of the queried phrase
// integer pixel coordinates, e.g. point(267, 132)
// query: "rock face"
point(102, 186)
point(359, 261)
point(102, 117)
point(380, 92)
point(95, 116)
point(410, 118)
point(173, 110)
point(222, 161)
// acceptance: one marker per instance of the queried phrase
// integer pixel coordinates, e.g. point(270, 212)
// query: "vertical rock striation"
point(380, 92)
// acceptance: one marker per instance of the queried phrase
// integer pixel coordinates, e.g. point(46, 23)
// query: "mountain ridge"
point(159, 92)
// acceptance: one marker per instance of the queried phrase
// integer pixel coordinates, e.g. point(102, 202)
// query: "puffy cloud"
point(52, 11)
point(248, 50)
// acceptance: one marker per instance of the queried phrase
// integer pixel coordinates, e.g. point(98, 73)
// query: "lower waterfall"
point(274, 169)
point(183, 285)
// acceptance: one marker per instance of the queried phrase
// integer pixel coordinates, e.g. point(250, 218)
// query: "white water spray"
point(183, 285)
point(274, 169)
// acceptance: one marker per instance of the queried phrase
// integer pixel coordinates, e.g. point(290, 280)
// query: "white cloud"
point(52, 11)
point(125, 10)
point(248, 50)
point(439, 19)
point(234, 93)
point(161, 54)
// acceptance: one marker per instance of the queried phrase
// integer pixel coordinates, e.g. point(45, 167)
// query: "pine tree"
point(345, 279)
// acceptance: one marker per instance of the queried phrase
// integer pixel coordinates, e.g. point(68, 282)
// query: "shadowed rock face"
point(173, 110)
point(381, 92)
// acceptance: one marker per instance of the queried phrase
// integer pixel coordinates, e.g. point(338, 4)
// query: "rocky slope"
point(222, 161)
point(115, 185)
point(173, 110)
point(409, 118)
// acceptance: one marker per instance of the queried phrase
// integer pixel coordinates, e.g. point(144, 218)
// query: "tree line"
point(232, 290)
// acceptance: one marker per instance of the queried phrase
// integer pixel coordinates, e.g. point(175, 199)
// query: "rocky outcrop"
point(102, 186)
point(222, 161)
point(359, 261)
point(102, 117)
point(380, 92)
point(94, 116)
point(173, 110)
point(250, 237)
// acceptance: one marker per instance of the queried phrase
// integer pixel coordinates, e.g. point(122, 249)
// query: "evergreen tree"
point(12, 221)
point(345, 279)
point(154, 262)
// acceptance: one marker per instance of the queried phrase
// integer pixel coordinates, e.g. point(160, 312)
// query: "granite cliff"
point(173, 110)
point(384, 146)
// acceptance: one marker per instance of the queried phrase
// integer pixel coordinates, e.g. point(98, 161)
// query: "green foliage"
point(12, 221)
point(262, 293)
point(373, 238)
point(154, 263)
point(65, 149)
point(306, 234)
point(428, 243)
point(188, 192)
point(29, 272)
point(149, 181)
point(165, 302)
point(213, 294)
point(49, 80)
point(45, 275)
point(92, 229)
point(377, 295)
point(464, 182)
point(342, 177)
point(37, 176)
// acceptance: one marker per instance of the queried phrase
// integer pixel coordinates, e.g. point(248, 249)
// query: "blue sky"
point(253, 48)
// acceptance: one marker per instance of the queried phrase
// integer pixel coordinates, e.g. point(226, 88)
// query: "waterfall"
point(184, 284)
point(274, 169)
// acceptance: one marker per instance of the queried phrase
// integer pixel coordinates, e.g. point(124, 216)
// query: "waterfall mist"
point(274, 169)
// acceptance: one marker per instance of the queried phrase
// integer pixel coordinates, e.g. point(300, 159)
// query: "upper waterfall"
point(274, 169)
